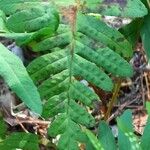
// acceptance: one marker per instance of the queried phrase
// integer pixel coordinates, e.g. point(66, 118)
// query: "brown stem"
point(113, 100)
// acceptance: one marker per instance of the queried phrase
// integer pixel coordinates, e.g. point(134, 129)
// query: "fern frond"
point(73, 55)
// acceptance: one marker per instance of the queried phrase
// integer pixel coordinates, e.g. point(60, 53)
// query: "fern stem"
point(72, 20)
point(113, 100)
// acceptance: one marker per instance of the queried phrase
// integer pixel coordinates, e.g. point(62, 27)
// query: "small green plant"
point(76, 45)
point(19, 140)
point(126, 137)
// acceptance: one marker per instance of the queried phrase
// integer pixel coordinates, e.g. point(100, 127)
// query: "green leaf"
point(128, 141)
point(126, 135)
point(123, 8)
point(67, 142)
point(33, 19)
point(148, 107)
point(145, 34)
point(16, 76)
point(80, 115)
point(105, 136)
point(20, 38)
point(83, 93)
point(71, 132)
point(16, 5)
point(145, 140)
point(94, 141)
point(125, 121)
point(58, 126)
point(123, 141)
point(91, 73)
point(3, 28)
point(100, 32)
point(54, 106)
point(26, 141)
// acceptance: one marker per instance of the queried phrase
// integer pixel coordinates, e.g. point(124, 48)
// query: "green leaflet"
point(100, 32)
point(148, 107)
point(3, 28)
point(54, 105)
point(123, 141)
point(94, 141)
point(15, 5)
point(80, 115)
point(83, 93)
point(61, 39)
point(105, 136)
point(126, 135)
point(145, 34)
point(90, 43)
point(101, 56)
point(16, 76)
point(90, 72)
point(67, 143)
point(123, 8)
point(33, 19)
point(125, 121)
point(128, 141)
point(145, 140)
point(55, 85)
point(20, 140)
point(58, 126)
point(21, 38)
point(45, 66)
point(68, 128)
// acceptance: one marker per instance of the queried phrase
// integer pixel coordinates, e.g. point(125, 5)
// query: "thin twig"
point(22, 126)
point(119, 110)
point(142, 87)
point(33, 121)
